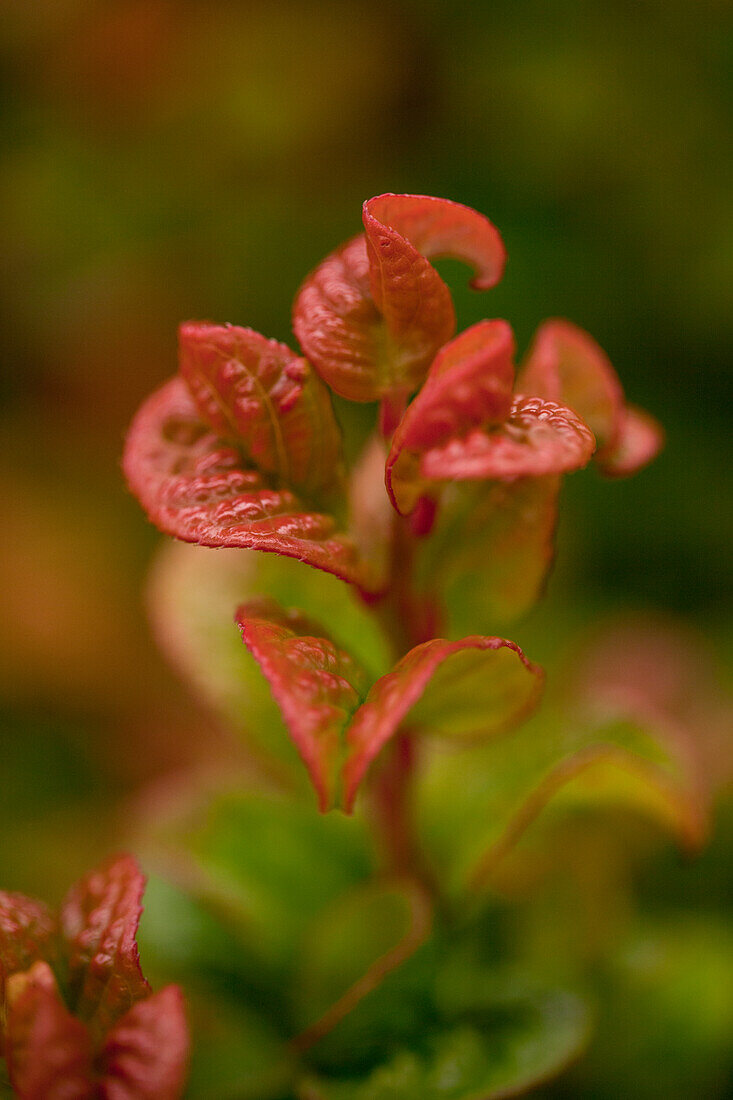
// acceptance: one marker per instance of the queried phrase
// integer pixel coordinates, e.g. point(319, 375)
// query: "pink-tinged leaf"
point(566, 365)
point(49, 1052)
point(316, 685)
point(439, 227)
point(537, 438)
point(469, 386)
point(373, 315)
point(27, 933)
point(640, 439)
point(473, 687)
point(145, 1055)
point(490, 551)
point(199, 489)
point(99, 919)
point(259, 395)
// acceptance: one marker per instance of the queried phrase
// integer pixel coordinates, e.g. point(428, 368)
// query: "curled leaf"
point(199, 489)
point(99, 920)
point(476, 686)
point(640, 439)
point(259, 395)
point(469, 385)
point(316, 685)
point(565, 364)
point(465, 425)
point(49, 1052)
point(373, 315)
point(439, 227)
point(145, 1054)
point(537, 438)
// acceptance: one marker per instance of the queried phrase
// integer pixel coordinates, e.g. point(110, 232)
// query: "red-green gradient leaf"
point(316, 685)
point(490, 551)
point(145, 1055)
point(259, 395)
point(475, 686)
point(640, 439)
point(49, 1052)
point(566, 365)
point(27, 933)
point(99, 919)
point(199, 489)
point(469, 386)
point(373, 315)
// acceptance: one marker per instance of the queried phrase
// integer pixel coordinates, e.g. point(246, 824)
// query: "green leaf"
point(520, 1042)
point(351, 948)
point(267, 866)
point(490, 551)
point(475, 806)
point(236, 1055)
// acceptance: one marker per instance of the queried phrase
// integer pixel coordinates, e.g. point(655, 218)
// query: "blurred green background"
point(166, 159)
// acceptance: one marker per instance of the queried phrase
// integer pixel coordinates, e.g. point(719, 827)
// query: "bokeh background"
point(166, 159)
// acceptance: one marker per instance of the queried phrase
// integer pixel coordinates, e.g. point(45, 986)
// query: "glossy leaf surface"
point(192, 598)
point(99, 920)
point(490, 551)
point(469, 385)
point(373, 315)
point(199, 489)
point(317, 686)
point(145, 1055)
point(263, 398)
point(566, 365)
point(476, 686)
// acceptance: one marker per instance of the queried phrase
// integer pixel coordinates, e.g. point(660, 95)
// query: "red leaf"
point(473, 686)
point(145, 1055)
point(537, 438)
point(265, 399)
point(316, 685)
point(99, 919)
point(27, 933)
point(469, 385)
point(566, 365)
point(640, 440)
point(440, 227)
point(373, 315)
point(49, 1053)
point(199, 489)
